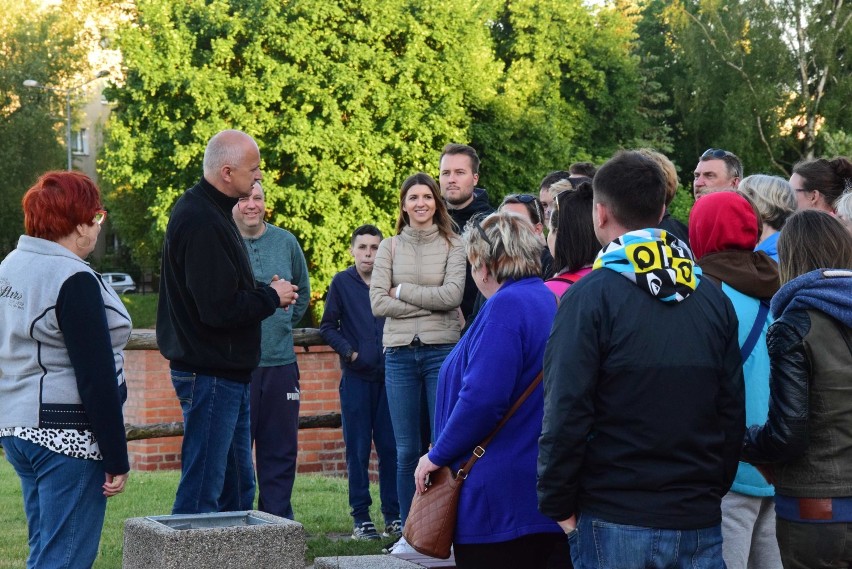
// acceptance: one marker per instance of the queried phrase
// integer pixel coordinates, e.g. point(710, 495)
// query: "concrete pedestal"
point(220, 540)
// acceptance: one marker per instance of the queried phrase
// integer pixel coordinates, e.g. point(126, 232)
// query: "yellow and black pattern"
point(655, 260)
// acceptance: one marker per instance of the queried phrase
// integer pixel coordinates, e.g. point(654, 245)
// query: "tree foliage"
point(345, 100)
point(759, 78)
point(566, 66)
point(43, 44)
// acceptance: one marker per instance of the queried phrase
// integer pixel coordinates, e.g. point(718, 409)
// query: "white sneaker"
point(401, 546)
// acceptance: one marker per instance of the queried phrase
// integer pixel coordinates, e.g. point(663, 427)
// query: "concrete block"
point(222, 540)
point(363, 562)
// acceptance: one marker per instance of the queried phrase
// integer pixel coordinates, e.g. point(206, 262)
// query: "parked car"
point(121, 283)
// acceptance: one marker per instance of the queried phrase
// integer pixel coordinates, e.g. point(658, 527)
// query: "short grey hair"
point(506, 244)
point(223, 150)
point(773, 196)
point(843, 207)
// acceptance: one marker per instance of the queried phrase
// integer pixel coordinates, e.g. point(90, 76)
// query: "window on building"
point(80, 141)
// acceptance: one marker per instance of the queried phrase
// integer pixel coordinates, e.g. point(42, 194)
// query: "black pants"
point(528, 552)
point(274, 412)
point(814, 546)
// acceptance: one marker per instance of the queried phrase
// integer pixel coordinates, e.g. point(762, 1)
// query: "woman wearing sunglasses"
point(417, 285)
point(62, 372)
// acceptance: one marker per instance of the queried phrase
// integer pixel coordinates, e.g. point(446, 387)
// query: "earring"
point(88, 241)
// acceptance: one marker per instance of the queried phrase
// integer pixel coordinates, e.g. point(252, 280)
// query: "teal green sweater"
point(277, 252)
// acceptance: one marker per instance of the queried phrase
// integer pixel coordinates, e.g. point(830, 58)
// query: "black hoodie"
point(478, 207)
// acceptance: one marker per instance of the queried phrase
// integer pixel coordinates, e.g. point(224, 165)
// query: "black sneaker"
point(365, 531)
point(393, 529)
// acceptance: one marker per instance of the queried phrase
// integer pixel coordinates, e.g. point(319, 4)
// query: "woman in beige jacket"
point(417, 285)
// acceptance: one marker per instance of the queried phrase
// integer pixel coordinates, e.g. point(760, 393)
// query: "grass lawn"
point(320, 503)
point(142, 309)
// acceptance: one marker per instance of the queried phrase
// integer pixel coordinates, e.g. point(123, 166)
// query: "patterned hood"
point(655, 260)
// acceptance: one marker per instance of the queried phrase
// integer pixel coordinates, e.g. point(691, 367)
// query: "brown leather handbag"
point(431, 521)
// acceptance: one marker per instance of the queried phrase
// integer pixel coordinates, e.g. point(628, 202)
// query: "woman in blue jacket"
point(496, 360)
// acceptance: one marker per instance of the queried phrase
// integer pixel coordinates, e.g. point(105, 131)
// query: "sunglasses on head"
point(527, 199)
point(715, 153)
point(485, 238)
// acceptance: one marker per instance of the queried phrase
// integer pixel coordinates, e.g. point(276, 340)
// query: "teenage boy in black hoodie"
point(349, 327)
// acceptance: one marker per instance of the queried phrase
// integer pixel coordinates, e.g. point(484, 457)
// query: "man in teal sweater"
point(274, 254)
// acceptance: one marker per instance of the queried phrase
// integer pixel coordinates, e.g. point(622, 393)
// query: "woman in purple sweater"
point(492, 365)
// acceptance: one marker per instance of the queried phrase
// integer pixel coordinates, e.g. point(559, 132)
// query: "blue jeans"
point(64, 503)
point(275, 400)
point(409, 372)
point(366, 419)
point(599, 544)
point(217, 474)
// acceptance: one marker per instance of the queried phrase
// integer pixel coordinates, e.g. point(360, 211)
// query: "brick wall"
point(151, 399)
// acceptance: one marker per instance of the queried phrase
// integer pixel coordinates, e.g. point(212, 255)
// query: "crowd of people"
point(693, 409)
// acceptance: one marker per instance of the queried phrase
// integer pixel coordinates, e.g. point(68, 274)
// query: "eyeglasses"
point(100, 216)
point(715, 153)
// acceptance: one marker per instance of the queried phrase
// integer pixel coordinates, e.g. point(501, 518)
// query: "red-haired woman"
point(62, 372)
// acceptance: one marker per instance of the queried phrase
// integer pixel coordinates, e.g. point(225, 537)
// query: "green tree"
point(570, 91)
point(44, 44)
point(758, 78)
point(345, 100)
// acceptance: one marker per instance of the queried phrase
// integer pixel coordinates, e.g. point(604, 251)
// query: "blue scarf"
point(826, 290)
point(655, 260)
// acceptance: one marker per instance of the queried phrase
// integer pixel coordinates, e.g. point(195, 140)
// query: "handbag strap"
point(479, 451)
point(756, 329)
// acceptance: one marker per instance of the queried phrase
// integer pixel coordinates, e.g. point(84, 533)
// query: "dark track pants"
point(275, 433)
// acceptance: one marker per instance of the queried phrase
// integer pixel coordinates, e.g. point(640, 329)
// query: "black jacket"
point(478, 207)
point(674, 226)
point(644, 405)
point(210, 308)
point(808, 434)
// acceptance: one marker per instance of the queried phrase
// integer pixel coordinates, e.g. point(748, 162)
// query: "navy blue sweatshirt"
point(348, 325)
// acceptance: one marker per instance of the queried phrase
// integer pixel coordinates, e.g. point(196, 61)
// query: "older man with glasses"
point(717, 171)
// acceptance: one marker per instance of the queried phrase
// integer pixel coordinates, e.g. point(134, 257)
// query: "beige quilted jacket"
point(432, 274)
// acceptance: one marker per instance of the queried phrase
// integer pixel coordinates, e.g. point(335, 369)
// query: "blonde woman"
point(499, 525)
point(776, 201)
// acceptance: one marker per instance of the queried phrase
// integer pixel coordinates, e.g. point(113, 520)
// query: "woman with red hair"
point(62, 372)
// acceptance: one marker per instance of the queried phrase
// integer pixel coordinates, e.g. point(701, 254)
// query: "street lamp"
point(32, 83)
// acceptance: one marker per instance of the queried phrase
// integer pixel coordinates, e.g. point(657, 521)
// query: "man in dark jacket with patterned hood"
point(644, 401)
